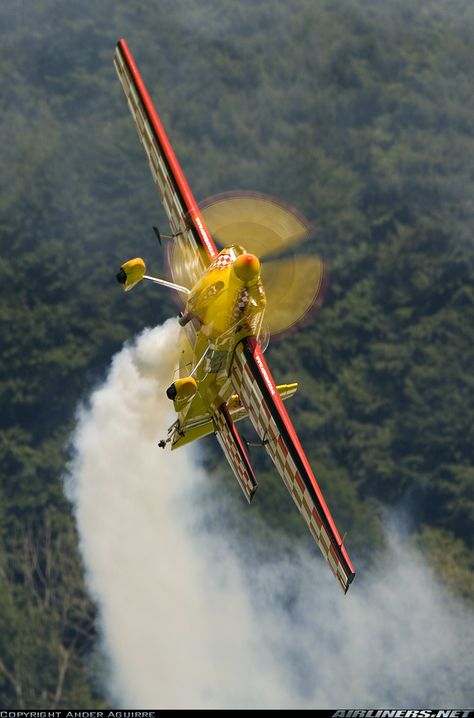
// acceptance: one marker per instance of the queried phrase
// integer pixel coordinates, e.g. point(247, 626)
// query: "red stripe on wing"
point(176, 172)
point(257, 366)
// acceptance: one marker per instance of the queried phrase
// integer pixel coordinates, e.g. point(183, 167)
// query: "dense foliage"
point(360, 113)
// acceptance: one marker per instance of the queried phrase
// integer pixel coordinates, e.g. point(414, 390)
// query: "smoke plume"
point(190, 619)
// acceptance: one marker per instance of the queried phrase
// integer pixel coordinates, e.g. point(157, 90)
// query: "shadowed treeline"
point(360, 113)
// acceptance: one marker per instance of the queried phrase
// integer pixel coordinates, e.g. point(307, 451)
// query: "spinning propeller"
point(294, 281)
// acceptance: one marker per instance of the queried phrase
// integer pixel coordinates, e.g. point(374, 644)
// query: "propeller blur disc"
point(272, 230)
point(260, 223)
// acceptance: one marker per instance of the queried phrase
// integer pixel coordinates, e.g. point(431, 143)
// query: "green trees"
point(360, 114)
point(46, 619)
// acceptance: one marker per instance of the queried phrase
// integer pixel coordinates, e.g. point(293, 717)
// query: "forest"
point(360, 113)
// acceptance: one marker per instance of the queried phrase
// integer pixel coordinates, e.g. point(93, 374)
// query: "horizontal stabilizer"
point(198, 426)
point(238, 411)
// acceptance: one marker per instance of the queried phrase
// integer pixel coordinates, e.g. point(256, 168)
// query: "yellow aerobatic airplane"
point(226, 322)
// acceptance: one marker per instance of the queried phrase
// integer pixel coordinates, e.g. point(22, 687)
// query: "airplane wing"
point(256, 388)
point(195, 243)
point(234, 450)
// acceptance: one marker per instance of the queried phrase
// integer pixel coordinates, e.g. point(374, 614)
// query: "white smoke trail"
point(189, 623)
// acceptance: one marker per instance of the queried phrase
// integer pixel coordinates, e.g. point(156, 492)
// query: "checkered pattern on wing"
point(171, 201)
point(231, 450)
point(265, 426)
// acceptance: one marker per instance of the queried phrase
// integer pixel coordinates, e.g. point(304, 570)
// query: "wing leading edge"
point(194, 240)
point(256, 388)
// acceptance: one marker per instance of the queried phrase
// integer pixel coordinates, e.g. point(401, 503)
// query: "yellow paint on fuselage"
point(224, 310)
point(214, 300)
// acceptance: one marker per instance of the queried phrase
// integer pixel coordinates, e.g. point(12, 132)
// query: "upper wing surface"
point(257, 391)
point(195, 244)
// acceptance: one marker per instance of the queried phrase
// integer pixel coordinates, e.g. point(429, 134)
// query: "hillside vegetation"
point(360, 113)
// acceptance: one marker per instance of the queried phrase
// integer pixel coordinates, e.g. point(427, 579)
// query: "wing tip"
point(345, 586)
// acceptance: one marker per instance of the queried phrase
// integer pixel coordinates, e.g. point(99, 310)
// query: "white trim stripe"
point(226, 440)
point(266, 428)
point(171, 200)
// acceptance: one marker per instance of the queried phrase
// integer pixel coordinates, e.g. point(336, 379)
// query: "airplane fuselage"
point(226, 305)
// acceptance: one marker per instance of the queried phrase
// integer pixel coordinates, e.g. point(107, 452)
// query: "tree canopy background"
point(358, 112)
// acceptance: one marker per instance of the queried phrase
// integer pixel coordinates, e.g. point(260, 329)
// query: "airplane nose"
point(247, 267)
